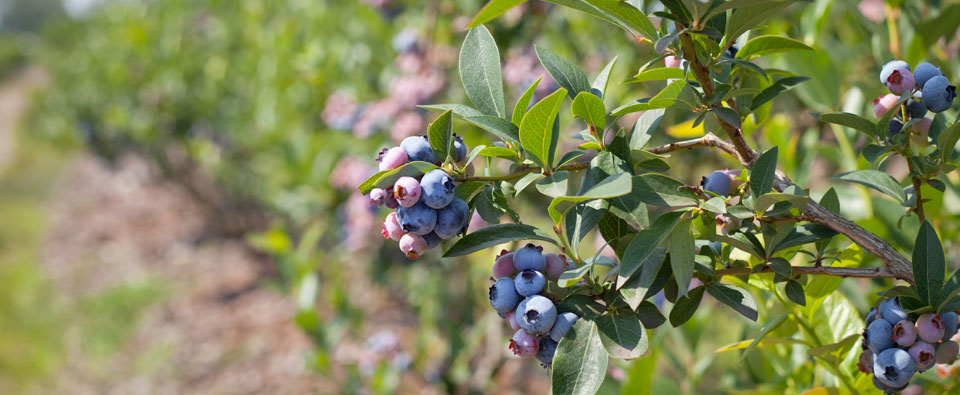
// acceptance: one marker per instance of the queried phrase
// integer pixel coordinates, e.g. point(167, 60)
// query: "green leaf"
point(660, 190)
point(525, 181)
point(612, 186)
point(554, 185)
point(746, 18)
point(649, 315)
point(715, 205)
point(635, 289)
point(795, 292)
point(682, 254)
point(929, 265)
point(500, 127)
point(665, 98)
point(947, 141)
point(589, 108)
point(782, 85)
point(480, 72)
point(834, 353)
point(849, 120)
point(878, 180)
point(493, 9)
point(622, 335)
point(659, 74)
point(621, 13)
point(581, 219)
point(644, 244)
point(495, 235)
point(569, 157)
point(523, 103)
point(686, 306)
point(386, 178)
point(439, 135)
point(727, 115)
point(499, 152)
point(599, 85)
point(536, 129)
point(570, 278)
point(763, 172)
point(645, 127)
point(737, 298)
point(951, 287)
point(460, 110)
point(580, 363)
point(767, 327)
point(765, 45)
point(769, 199)
point(467, 190)
point(568, 75)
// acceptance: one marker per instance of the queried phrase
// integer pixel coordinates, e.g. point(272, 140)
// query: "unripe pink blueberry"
point(392, 159)
point(947, 352)
point(378, 197)
point(923, 354)
point(884, 103)
point(524, 344)
point(407, 191)
point(512, 320)
point(865, 363)
point(556, 263)
point(672, 61)
point(390, 228)
point(503, 266)
point(900, 81)
point(905, 333)
point(413, 245)
point(923, 126)
point(930, 328)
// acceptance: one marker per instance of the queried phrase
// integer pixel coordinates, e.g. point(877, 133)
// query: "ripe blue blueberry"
point(886, 388)
point(432, 240)
point(417, 219)
point(878, 336)
point(418, 148)
point(895, 127)
point(530, 257)
point(893, 367)
point(891, 312)
point(916, 109)
point(938, 94)
point(503, 295)
point(924, 72)
point(871, 316)
point(459, 148)
point(436, 189)
point(717, 182)
point(950, 325)
point(536, 314)
point(452, 219)
point(530, 282)
point(548, 347)
point(562, 325)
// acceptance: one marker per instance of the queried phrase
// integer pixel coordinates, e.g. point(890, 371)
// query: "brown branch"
point(708, 140)
point(896, 265)
point(875, 272)
point(519, 173)
point(799, 218)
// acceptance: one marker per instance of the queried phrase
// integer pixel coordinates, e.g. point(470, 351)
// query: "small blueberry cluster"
point(426, 209)
point(895, 348)
point(929, 90)
point(518, 295)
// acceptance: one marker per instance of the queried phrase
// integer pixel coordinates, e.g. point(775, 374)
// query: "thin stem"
point(918, 205)
point(799, 218)
point(520, 173)
point(708, 140)
point(875, 272)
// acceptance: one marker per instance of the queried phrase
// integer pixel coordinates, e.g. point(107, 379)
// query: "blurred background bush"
point(178, 183)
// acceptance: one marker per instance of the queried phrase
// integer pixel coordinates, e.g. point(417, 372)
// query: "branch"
point(708, 140)
point(519, 173)
point(875, 272)
point(897, 266)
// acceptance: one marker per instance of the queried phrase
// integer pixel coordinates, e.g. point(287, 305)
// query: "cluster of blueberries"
point(517, 295)
point(426, 209)
point(894, 347)
point(930, 91)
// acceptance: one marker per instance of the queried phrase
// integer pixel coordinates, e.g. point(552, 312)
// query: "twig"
point(521, 173)
point(874, 272)
point(708, 140)
point(799, 218)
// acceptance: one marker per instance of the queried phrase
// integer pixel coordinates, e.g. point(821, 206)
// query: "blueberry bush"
point(678, 196)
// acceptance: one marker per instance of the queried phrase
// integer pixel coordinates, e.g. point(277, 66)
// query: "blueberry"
point(419, 219)
point(529, 282)
point(503, 266)
point(930, 328)
point(895, 127)
point(418, 148)
point(938, 94)
point(524, 344)
point(871, 316)
point(883, 104)
point(891, 312)
point(530, 257)
point(390, 228)
point(437, 189)
point(460, 149)
point(916, 109)
point(886, 388)
point(923, 354)
point(556, 264)
point(947, 352)
point(548, 347)
point(407, 191)
point(562, 325)
point(391, 201)
point(413, 245)
point(432, 240)
point(378, 197)
point(893, 367)
point(950, 324)
point(536, 314)
point(511, 318)
point(924, 72)
point(865, 362)
point(392, 158)
point(901, 81)
point(878, 336)
point(890, 67)
point(717, 182)
point(904, 333)
point(503, 295)
point(453, 219)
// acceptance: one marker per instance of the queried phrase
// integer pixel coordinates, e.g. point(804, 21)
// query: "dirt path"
point(14, 99)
